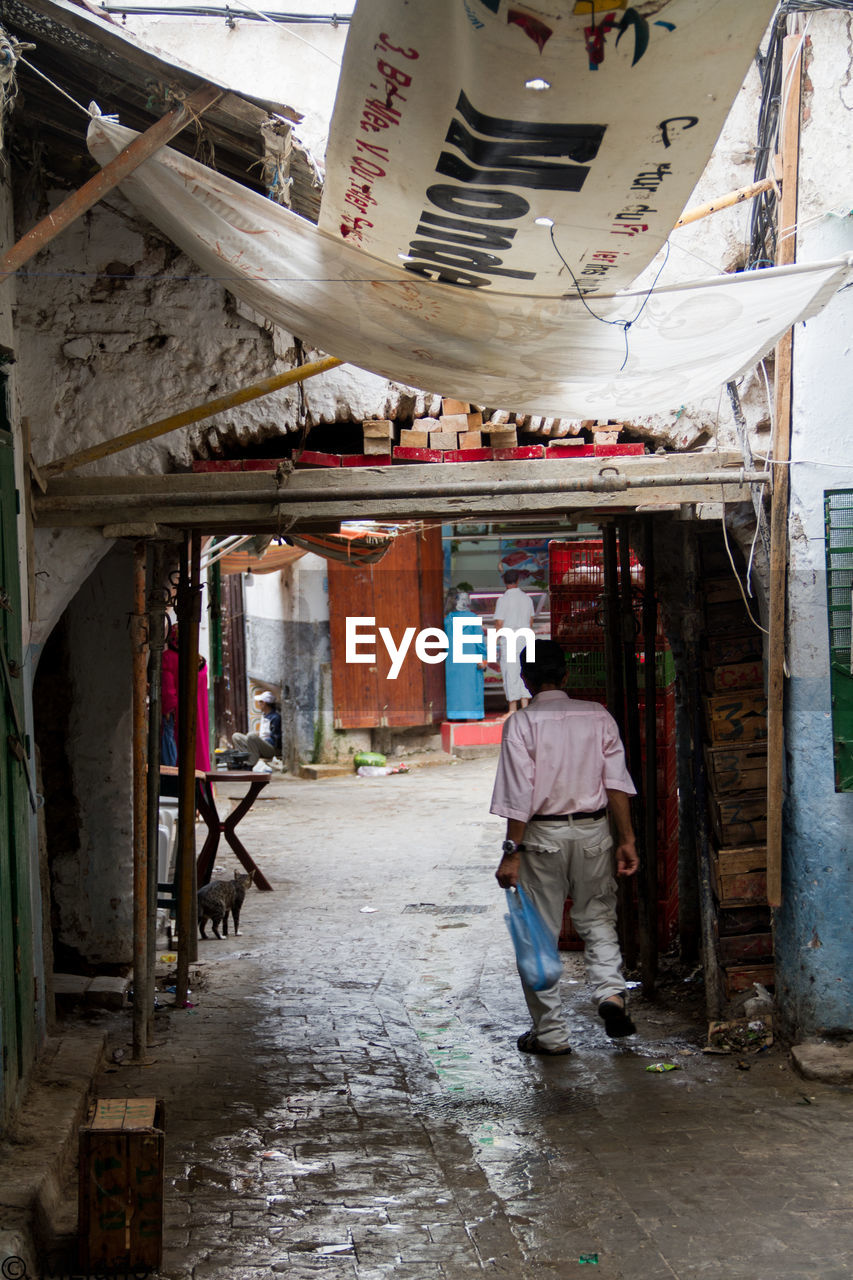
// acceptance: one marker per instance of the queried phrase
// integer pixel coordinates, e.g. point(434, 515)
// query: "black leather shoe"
point(616, 1018)
point(529, 1044)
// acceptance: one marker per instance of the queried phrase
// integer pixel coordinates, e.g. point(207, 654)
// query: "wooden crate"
point(740, 977)
point(722, 590)
point(742, 948)
point(120, 1188)
point(739, 819)
point(736, 675)
point(736, 717)
point(740, 875)
point(726, 649)
point(735, 769)
point(725, 617)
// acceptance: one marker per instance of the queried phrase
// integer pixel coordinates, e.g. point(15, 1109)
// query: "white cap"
point(266, 696)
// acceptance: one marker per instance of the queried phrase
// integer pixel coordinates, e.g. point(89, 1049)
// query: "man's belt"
point(564, 817)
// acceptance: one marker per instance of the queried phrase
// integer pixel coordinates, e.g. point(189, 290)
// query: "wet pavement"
point(345, 1100)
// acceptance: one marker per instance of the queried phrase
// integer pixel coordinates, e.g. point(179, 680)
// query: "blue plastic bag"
point(536, 951)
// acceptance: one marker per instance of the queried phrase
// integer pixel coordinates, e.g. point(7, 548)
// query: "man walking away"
point(513, 610)
point(561, 768)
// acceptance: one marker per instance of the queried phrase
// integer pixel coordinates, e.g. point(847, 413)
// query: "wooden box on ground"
point(736, 717)
point(736, 769)
point(740, 875)
point(121, 1186)
point(739, 819)
point(740, 977)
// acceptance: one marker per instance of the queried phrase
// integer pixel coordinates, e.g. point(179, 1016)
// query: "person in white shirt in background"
point(561, 768)
point(513, 610)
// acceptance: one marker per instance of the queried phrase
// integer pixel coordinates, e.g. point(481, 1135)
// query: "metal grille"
point(838, 512)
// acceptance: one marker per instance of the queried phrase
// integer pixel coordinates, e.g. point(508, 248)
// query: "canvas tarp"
point(457, 125)
point(537, 355)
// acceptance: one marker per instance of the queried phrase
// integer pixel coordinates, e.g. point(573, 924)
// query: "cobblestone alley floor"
point(346, 1100)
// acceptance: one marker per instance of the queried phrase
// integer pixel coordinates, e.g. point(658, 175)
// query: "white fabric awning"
point(542, 355)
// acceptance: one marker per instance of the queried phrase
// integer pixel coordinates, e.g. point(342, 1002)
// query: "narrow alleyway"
point(346, 1100)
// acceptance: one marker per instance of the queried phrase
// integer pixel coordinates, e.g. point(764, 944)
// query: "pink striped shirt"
point(559, 755)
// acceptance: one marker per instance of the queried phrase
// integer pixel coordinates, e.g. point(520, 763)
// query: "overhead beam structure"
point(275, 501)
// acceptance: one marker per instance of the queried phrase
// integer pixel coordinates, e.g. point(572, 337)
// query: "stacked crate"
point(577, 623)
point(736, 766)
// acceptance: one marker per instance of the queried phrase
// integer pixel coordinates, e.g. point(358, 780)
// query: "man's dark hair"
point(511, 577)
point(548, 666)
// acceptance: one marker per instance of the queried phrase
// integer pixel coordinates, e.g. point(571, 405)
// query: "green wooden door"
point(17, 1004)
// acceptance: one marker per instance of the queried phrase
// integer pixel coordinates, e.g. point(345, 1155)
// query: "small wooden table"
point(206, 805)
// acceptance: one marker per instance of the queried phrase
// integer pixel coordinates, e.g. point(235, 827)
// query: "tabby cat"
point(219, 897)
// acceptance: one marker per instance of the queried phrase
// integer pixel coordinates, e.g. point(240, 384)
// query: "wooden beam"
point(727, 201)
point(110, 176)
point(781, 454)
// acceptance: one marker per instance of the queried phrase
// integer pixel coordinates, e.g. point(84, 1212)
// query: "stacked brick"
point(736, 764)
point(576, 577)
point(458, 435)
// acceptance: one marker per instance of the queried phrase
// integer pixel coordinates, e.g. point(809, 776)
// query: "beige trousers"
point(256, 746)
point(573, 859)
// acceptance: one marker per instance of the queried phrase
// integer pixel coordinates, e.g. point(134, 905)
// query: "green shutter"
point(838, 509)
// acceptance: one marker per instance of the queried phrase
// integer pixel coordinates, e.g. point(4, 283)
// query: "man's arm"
point(507, 872)
point(627, 859)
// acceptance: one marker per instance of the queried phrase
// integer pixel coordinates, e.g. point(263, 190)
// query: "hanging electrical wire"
point(763, 231)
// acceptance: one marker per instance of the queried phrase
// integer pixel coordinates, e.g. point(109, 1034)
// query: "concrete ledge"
point(477, 753)
point(831, 1063)
point(39, 1151)
point(317, 772)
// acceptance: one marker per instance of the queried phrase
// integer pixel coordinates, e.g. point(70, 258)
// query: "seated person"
point(262, 746)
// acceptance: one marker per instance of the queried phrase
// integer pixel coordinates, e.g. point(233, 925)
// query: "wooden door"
point(403, 590)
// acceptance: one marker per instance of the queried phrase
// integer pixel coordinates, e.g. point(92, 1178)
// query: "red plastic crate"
point(667, 824)
point(668, 920)
point(664, 717)
point(569, 939)
point(581, 564)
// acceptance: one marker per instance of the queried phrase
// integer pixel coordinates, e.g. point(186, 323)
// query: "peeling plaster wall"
point(92, 881)
point(129, 331)
point(814, 940)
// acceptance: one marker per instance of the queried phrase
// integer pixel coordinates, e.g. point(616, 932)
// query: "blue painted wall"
point(814, 940)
